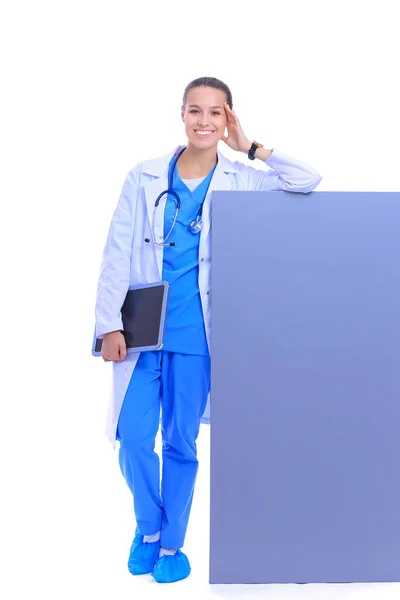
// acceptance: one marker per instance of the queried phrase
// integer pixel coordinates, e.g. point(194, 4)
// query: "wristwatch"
point(253, 149)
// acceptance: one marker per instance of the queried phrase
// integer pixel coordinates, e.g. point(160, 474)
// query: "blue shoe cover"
point(171, 568)
point(142, 555)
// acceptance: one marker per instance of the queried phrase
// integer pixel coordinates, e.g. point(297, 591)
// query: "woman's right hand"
point(113, 346)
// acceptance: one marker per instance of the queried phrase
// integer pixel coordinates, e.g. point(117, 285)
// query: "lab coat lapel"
point(219, 181)
point(152, 190)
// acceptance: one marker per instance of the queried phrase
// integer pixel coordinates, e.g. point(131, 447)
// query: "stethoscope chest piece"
point(196, 225)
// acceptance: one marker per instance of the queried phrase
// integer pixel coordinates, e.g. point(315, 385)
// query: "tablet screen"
point(141, 317)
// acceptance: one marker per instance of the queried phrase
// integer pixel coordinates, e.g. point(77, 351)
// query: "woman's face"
point(204, 112)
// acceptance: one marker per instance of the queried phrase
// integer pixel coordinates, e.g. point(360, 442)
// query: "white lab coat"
point(129, 260)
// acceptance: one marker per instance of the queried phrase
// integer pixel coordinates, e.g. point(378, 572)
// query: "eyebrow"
point(197, 106)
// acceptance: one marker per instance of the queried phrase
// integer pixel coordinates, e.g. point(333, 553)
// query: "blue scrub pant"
point(180, 384)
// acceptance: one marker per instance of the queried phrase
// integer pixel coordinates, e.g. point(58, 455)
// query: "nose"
point(204, 121)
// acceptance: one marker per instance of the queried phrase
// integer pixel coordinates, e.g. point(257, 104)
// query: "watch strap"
point(253, 148)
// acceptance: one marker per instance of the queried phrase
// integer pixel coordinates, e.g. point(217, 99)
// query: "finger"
point(232, 114)
point(228, 111)
point(235, 120)
point(229, 118)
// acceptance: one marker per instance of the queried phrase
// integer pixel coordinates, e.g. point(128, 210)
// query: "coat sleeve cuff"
point(102, 328)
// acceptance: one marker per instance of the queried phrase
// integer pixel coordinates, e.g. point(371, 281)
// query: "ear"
point(183, 114)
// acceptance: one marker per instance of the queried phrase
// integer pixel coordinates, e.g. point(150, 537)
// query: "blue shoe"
point(171, 568)
point(142, 555)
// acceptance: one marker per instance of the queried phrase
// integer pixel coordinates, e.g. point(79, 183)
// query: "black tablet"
point(143, 317)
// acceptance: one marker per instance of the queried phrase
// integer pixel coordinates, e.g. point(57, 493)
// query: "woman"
point(141, 248)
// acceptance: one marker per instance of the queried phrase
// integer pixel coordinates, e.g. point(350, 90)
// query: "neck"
point(197, 160)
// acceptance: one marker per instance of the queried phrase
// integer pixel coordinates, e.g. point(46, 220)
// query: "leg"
point(185, 385)
point(137, 429)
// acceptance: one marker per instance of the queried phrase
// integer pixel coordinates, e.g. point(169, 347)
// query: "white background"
point(88, 90)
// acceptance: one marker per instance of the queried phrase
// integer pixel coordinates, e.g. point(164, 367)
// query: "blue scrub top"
point(184, 328)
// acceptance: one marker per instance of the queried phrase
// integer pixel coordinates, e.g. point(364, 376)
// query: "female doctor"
point(147, 243)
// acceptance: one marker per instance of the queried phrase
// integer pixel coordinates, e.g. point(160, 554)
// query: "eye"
point(194, 110)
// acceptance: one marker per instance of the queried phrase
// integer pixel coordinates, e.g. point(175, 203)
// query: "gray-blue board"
point(305, 398)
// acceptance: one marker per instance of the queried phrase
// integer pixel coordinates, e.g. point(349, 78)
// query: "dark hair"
point(209, 82)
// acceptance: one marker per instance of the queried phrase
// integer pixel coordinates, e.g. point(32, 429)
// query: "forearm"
point(285, 174)
point(263, 154)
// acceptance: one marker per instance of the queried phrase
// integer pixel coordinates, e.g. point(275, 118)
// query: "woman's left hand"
point(236, 138)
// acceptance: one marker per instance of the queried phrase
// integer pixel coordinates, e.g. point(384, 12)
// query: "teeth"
point(204, 132)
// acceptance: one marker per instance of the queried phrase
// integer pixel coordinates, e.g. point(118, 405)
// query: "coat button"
point(208, 293)
point(202, 259)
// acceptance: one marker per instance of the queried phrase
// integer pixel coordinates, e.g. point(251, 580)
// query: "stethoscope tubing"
point(195, 225)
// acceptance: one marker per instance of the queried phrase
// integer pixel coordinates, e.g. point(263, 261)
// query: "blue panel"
point(305, 400)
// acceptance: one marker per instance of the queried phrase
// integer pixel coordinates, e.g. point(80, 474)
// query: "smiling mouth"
point(205, 133)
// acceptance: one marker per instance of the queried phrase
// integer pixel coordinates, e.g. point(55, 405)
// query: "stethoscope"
point(195, 226)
